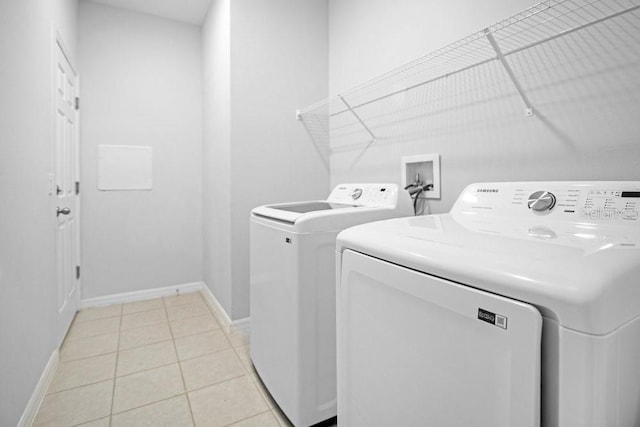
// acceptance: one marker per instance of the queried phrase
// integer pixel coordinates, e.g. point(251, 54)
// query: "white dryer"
point(520, 307)
point(292, 285)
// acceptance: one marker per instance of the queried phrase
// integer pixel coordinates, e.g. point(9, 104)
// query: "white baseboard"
point(30, 412)
point(142, 295)
point(222, 316)
point(241, 324)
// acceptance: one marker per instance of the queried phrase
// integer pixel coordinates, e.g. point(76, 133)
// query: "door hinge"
point(77, 271)
point(77, 103)
point(77, 187)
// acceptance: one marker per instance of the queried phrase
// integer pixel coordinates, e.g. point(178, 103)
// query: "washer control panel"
point(609, 201)
point(365, 194)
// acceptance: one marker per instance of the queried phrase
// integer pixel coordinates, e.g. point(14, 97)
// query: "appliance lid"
point(297, 213)
point(306, 207)
point(579, 264)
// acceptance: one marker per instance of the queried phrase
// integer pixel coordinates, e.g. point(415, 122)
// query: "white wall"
point(141, 84)
point(216, 42)
point(278, 63)
point(28, 318)
point(585, 97)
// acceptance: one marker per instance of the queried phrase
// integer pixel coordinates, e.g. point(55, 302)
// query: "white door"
point(66, 177)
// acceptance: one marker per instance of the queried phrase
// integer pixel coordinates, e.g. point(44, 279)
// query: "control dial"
point(355, 194)
point(541, 201)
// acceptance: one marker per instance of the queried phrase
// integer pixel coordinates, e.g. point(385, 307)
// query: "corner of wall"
point(216, 46)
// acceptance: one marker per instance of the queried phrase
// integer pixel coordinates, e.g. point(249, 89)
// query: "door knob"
point(63, 211)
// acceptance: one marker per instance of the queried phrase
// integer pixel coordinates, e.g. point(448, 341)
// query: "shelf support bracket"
point(500, 56)
point(373, 137)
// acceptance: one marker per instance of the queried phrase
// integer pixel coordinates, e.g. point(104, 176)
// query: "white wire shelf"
point(385, 96)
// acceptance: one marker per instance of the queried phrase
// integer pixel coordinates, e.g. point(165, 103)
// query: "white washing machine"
point(520, 307)
point(292, 289)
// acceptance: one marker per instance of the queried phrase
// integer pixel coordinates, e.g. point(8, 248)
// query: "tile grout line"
point(97, 318)
point(77, 387)
point(75, 339)
point(217, 383)
point(144, 345)
point(115, 369)
point(175, 348)
point(246, 418)
point(197, 333)
point(147, 369)
point(90, 421)
point(149, 404)
point(62, 362)
point(143, 313)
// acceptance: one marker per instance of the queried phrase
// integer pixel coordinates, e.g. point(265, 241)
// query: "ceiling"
point(189, 11)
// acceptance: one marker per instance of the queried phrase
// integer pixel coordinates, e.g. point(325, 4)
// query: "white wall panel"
point(276, 55)
point(141, 85)
point(216, 159)
point(28, 313)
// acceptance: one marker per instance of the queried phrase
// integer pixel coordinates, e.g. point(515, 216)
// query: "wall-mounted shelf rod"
point(373, 137)
point(510, 73)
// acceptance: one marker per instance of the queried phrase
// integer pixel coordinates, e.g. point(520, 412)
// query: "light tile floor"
point(161, 362)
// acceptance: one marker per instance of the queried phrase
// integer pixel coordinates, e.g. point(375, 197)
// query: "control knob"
point(355, 194)
point(541, 201)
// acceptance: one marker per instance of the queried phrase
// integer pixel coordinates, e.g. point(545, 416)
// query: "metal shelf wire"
point(386, 95)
